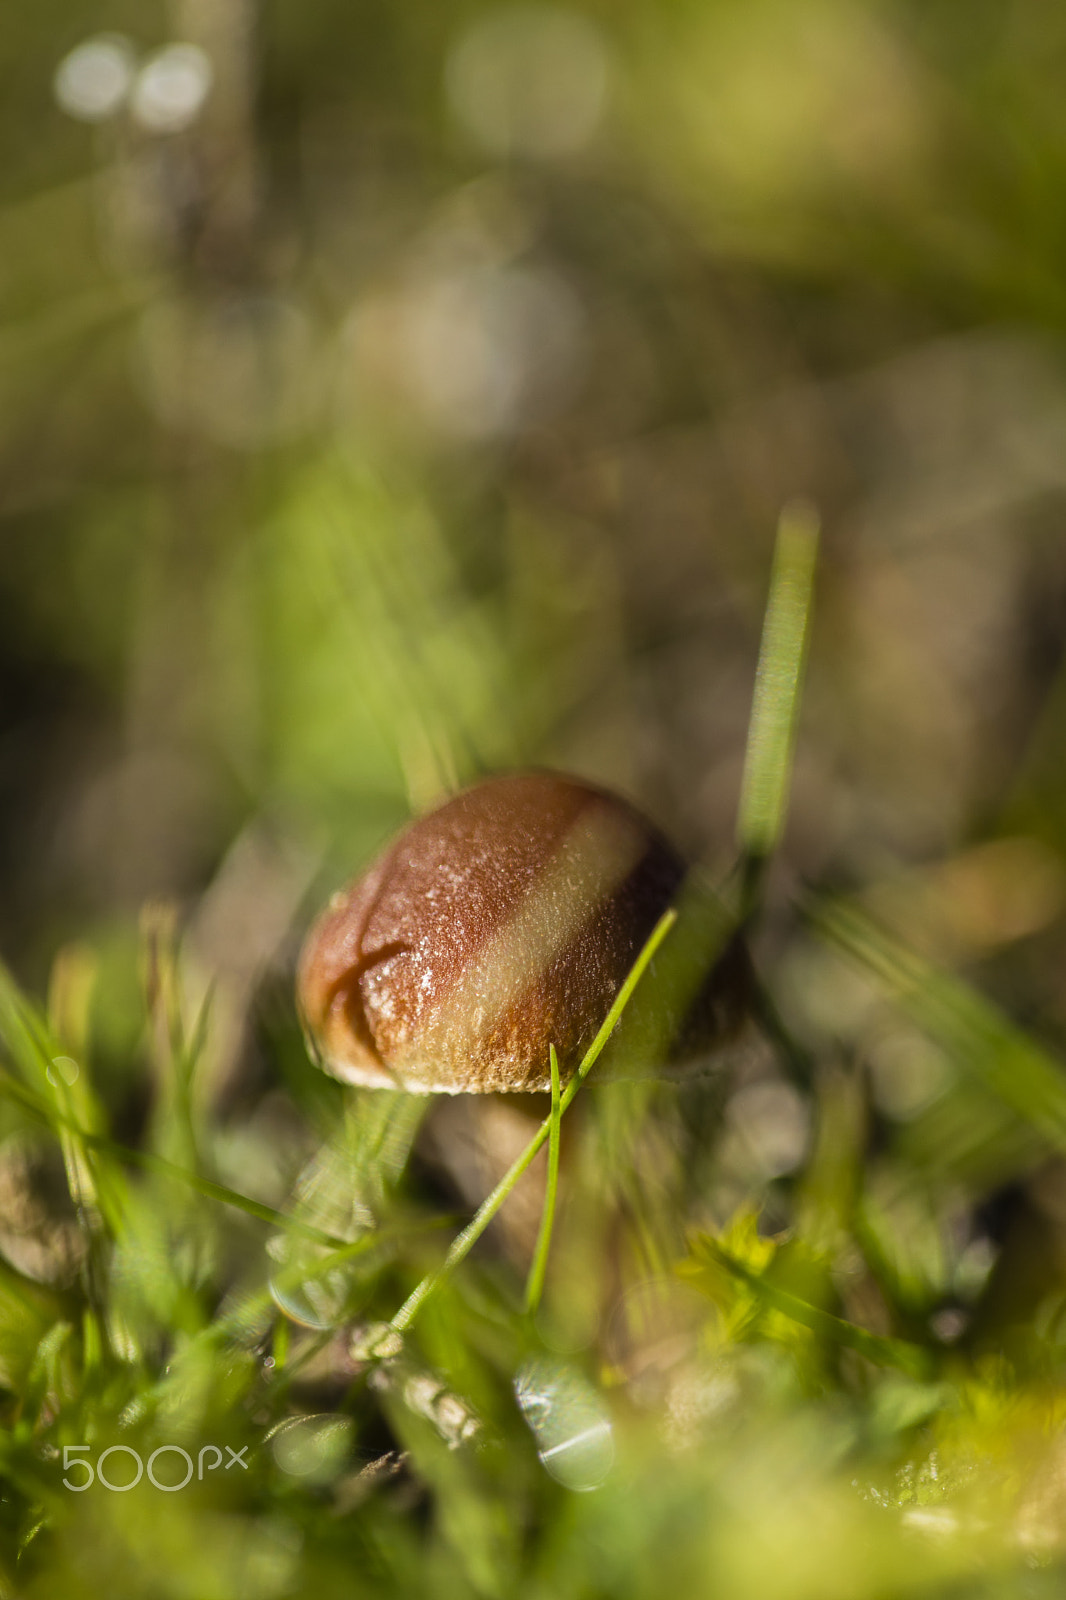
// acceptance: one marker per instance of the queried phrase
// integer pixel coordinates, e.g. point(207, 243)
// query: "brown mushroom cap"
point(501, 923)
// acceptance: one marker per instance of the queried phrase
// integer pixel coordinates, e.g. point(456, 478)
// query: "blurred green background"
point(391, 394)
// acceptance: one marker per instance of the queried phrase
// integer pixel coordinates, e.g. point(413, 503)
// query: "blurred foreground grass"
point(779, 1359)
point(389, 395)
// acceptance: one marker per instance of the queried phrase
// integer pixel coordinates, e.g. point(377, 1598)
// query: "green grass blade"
point(621, 1001)
point(978, 1037)
point(771, 732)
point(59, 1121)
point(535, 1286)
point(69, 1112)
point(898, 1353)
point(55, 1088)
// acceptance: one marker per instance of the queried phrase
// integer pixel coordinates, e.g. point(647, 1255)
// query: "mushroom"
point(499, 924)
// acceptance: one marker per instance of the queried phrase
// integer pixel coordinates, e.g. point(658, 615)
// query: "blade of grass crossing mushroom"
point(778, 679)
point(464, 1242)
point(535, 1286)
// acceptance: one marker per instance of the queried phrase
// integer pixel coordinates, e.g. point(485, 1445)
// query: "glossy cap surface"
point(500, 923)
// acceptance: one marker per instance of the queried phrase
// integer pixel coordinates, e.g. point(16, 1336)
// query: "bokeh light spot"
point(529, 81)
point(171, 88)
point(92, 82)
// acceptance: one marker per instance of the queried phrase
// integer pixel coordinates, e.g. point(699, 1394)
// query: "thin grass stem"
point(535, 1286)
point(772, 729)
point(898, 1353)
point(59, 1121)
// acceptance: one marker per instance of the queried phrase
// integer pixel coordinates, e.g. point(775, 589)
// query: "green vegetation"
point(390, 395)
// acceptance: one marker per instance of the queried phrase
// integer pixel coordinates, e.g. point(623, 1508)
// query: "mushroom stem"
point(464, 1242)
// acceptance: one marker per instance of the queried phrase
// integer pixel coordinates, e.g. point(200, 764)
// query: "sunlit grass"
point(778, 1381)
